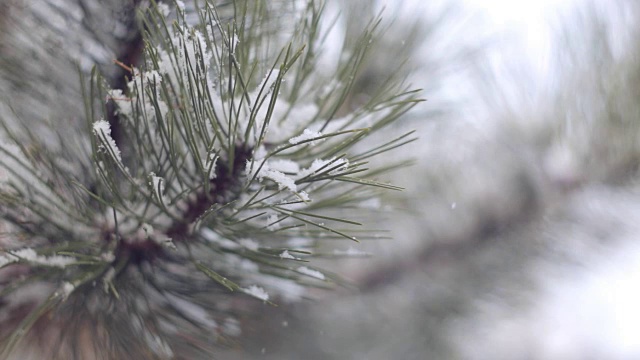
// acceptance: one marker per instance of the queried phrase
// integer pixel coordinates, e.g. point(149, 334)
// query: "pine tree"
point(226, 164)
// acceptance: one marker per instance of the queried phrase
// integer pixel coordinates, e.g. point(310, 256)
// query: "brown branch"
point(223, 188)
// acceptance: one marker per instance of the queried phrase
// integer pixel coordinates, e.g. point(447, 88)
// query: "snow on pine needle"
point(234, 168)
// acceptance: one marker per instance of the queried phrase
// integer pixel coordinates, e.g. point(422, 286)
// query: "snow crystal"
point(123, 103)
point(306, 135)
point(286, 255)
point(102, 129)
point(315, 166)
point(66, 289)
point(210, 165)
point(304, 196)
point(235, 40)
point(153, 77)
point(280, 178)
point(30, 255)
point(157, 185)
point(180, 4)
point(26, 253)
point(257, 292)
point(310, 272)
point(288, 290)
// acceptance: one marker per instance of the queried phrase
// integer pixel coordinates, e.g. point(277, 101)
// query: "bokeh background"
point(517, 235)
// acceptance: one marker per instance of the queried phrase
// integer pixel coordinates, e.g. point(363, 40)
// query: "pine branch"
point(231, 166)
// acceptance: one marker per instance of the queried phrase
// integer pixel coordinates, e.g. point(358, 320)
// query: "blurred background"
point(516, 237)
point(517, 234)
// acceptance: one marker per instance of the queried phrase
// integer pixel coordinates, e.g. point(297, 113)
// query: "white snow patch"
point(310, 272)
point(257, 292)
point(286, 255)
point(157, 185)
point(278, 177)
point(152, 76)
point(123, 103)
point(281, 179)
point(102, 129)
point(31, 256)
point(288, 290)
point(66, 289)
point(305, 136)
point(304, 196)
point(210, 165)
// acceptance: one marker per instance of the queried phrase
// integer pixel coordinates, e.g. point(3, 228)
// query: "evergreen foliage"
point(217, 175)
